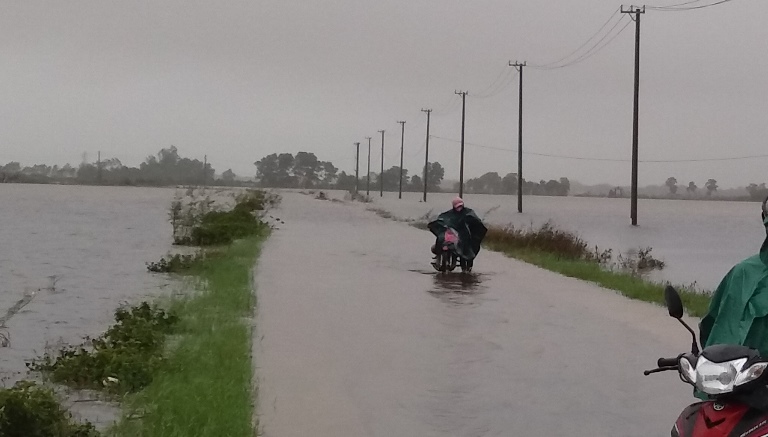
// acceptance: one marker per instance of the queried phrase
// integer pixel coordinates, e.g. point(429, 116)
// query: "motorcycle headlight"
point(687, 370)
point(718, 378)
point(752, 373)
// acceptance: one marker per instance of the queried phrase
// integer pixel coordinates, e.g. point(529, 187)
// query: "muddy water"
point(355, 336)
point(76, 253)
point(699, 240)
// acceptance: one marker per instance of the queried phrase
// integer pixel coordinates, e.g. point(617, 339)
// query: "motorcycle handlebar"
point(668, 362)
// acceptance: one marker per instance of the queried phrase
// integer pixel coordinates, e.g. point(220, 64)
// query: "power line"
point(595, 49)
point(448, 107)
point(497, 88)
point(493, 84)
point(677, 5)
point(583, 45)
point(672, 8)
point(418, 152)
point(502, 86)
point(584, 158)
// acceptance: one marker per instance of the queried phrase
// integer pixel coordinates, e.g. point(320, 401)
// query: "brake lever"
point(658, 370)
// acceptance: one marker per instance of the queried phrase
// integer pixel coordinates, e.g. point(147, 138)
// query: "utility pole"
point(402, 143)
point(357, 166)
point(426, 155)
point(98, 167)
point(519, 67)
point(463, 95)
point(205, 169)
point(637, 11)
point(368, 181)
point(381, 175)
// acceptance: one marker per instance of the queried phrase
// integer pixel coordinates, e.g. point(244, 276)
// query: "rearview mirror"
point(674, 304)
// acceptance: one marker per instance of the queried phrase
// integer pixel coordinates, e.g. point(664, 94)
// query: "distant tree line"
point(757, 192)
point(493, 183)
point(692, 189)
point(165, 169)
point(754, 191)
point(305, 170)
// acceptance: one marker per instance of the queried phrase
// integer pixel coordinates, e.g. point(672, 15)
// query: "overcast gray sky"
point(237, 80)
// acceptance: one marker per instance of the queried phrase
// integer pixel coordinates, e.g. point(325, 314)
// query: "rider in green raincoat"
point(738, 312)
point(467, 224)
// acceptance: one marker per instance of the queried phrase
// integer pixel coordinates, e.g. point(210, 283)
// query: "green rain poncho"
point(469, 227)
point(738, 312)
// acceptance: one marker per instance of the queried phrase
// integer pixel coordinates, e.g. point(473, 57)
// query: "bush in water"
point(27, 410)
point(121, 360)
point(202, 225)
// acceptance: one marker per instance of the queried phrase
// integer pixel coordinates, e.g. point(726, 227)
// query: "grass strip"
point(206, 389)
point(628, 285)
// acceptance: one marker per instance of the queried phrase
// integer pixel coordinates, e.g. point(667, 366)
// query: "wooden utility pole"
point(426, 155)
point(368, 175)
point(357, 166)
point(98, 167)
point(637, 11)
point(463, 95)
point(519, 66)
point(381, 175)
point(402, 143)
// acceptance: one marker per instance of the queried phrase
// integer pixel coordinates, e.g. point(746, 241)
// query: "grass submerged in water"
point(207, 388)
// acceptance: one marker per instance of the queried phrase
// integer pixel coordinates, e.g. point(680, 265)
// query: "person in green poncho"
point(467, 224)
point(738, 312)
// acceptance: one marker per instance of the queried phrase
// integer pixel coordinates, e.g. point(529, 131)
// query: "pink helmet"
point(457, 202)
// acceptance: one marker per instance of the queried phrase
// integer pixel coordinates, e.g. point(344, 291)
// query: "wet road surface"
point(357, 336)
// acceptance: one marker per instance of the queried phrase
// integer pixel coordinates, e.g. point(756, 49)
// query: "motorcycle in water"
point(459, 237)
point(446, 253)
point(733, 378)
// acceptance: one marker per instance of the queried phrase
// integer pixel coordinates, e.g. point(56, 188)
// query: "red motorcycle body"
point(714, 419)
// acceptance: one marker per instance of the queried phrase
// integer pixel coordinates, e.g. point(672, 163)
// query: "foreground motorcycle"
point(446, 253)
point(732, 377)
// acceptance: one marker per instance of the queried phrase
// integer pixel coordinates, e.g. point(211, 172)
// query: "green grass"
point(630, 286)
point(206, 389)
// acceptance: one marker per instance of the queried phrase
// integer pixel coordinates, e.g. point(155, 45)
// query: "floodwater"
point(355, 336)
point(74, 254)
point(699, 240)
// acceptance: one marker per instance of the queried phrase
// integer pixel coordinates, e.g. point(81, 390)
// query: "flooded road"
point(699, 240)
point(356, 336)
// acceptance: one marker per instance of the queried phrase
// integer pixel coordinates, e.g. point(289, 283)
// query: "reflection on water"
point(453, 281)
point(457, 288)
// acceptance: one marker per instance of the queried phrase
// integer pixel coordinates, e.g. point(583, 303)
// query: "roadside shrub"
point(223, 227)
point(567, 245)
point(29, 410)
point(546, 238)
point(209, 227)
point(121, 360)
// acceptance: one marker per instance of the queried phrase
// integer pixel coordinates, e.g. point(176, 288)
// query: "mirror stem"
point(694, 345)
